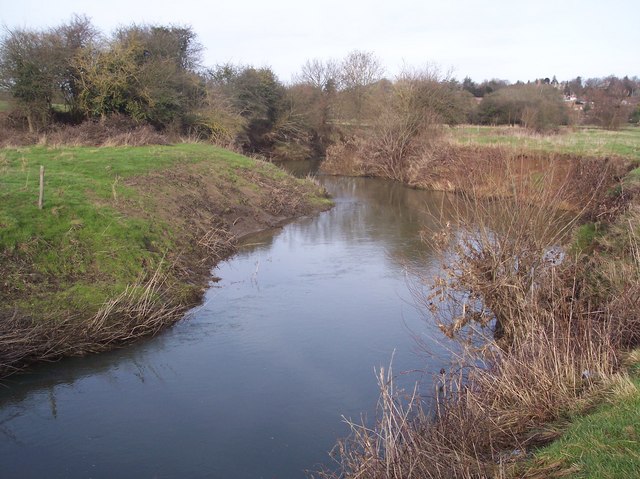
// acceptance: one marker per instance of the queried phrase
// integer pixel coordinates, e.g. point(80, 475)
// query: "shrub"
point(539, 107)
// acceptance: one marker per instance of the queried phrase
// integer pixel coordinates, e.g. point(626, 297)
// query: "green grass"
point(581, 141)
point(60, 107)
point(4, 105)
point(603, 444)
point(80, 249)
point(633, 176)
point(585, 236)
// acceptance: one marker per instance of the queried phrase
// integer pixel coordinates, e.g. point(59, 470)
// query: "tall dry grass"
point(116, 130)
point(489, 418)
point(617, 282)
point(504, 256)
point(140, 310)
point(546, 342)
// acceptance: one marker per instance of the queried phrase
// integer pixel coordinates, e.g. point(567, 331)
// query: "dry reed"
point(141, 309)
point(549, 345)
point(218, 242)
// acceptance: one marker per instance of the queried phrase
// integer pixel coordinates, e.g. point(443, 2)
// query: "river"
point(255, 381)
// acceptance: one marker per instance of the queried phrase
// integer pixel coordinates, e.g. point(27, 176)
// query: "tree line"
point(154, 75)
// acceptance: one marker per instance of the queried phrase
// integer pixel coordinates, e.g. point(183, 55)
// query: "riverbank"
point(604, 443)
point(548, 284)
point(582, 166)
point(125, 241)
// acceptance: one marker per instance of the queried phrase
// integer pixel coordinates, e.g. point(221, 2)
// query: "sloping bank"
point(125, 241)
point(487, 171)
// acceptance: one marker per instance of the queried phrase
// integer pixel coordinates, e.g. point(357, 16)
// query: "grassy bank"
point(126, 235)
point(605, 443)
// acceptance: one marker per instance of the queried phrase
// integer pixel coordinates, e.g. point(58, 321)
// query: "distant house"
point(574, 102)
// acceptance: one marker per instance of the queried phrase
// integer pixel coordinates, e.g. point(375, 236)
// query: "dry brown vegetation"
point(115, 130)
point(141, 310)
point(542, 324)
point(405, 122)
point(490, 418)
point(487, 171)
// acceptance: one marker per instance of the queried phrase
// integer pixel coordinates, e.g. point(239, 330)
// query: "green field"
point(582, 141)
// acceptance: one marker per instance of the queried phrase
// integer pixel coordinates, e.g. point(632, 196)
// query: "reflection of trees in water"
point(385, 212)
point(5, 426)
point(53, 404)
point(257, 242)
point(300, 168)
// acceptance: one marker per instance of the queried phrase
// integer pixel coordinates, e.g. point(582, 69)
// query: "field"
point(80, 246)
point(583, 141)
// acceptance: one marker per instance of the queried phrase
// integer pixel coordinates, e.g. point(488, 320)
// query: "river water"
point(254, 383)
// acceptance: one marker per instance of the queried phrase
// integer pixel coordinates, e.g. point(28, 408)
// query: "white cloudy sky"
point(512, 40)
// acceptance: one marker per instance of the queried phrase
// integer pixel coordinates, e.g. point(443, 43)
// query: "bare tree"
point(610, 99)
point(71, 39)
point(360, 69)
point(320, 74)
point(537, 107)
point(359, 72)
point(407, 123)
point(38, 67)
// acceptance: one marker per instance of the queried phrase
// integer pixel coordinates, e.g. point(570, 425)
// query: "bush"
point(538, 107)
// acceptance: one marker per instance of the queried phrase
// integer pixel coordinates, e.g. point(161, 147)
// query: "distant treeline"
point(154, 75)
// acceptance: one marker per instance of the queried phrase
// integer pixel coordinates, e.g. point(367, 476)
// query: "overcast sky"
point(509, 40)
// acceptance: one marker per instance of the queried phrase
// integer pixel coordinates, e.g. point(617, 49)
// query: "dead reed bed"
point(542, 327)
point(218, 243)
point(140, 310)
point(488, 420)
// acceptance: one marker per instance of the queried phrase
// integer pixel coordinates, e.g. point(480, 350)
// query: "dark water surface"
point(254, 383)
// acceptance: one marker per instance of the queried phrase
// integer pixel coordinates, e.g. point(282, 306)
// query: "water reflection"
point(254, 384)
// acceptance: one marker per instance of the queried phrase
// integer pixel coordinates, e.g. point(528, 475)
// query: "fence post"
point(41, 196)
